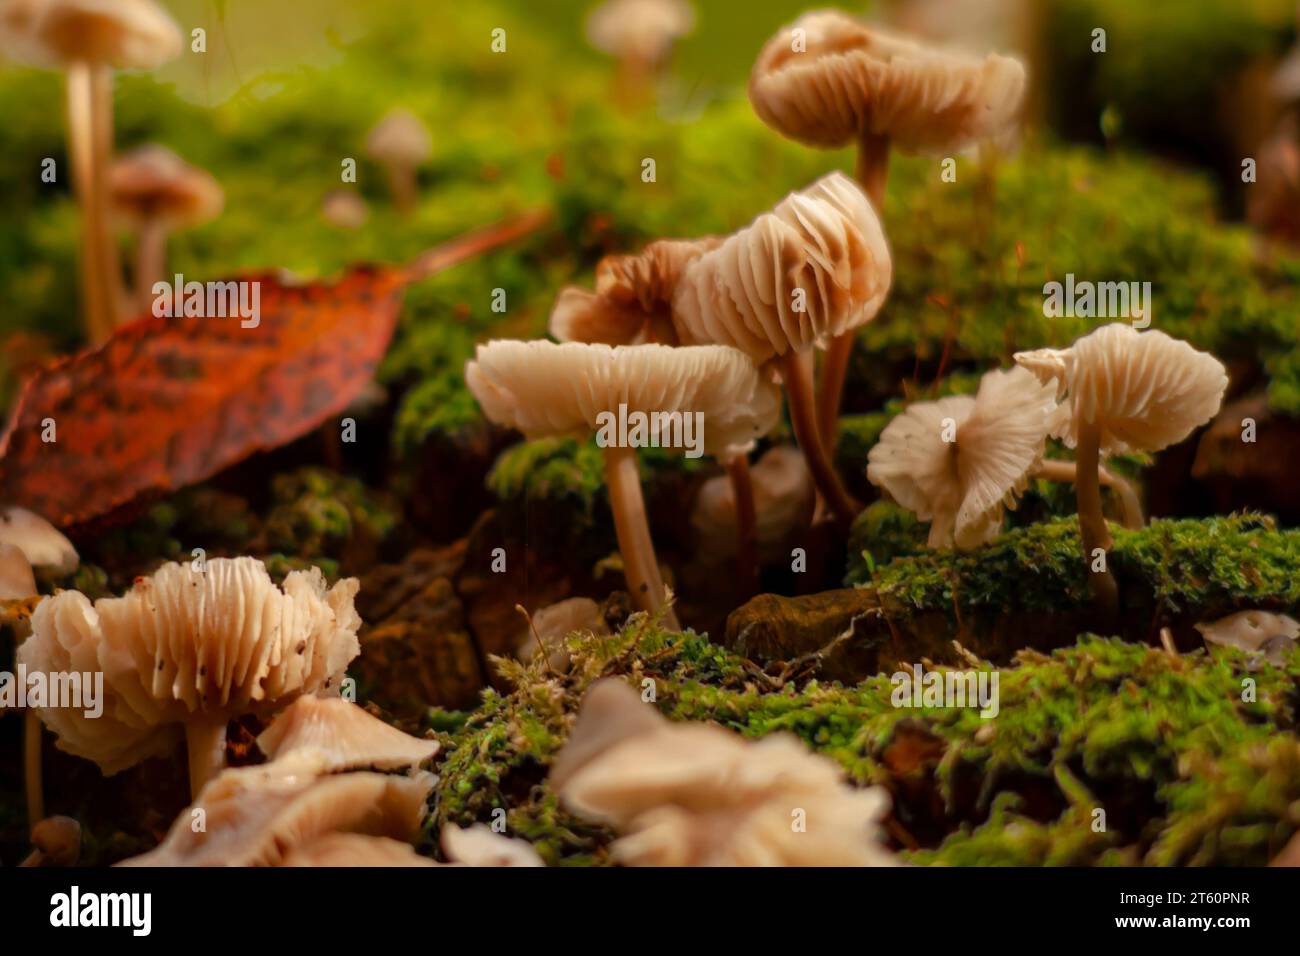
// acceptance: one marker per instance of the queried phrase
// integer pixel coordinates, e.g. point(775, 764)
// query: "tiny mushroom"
point(90, 39)
point(401, 143)
point(630, 396)
point(1123, 390)
point(345, 735)
point(43, 544)
point(828, 80)
point(1256, 632)
point(56, 841)
point(17, 582)
point(548, 628)
point(640, 33)
point(188, 650)
point(694, 794)
point(256, 816)
point(815, 267)
point(479, 845)
point(157, 193)
point(957, 462)
point(344, 209)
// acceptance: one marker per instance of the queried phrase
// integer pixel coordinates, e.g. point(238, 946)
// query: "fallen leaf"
point(167, 402)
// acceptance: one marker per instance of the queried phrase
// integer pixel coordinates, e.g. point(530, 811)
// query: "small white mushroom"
point(1256, 632)
point(16, 579)
point(640, 33)
point(693, 794)
point(344, 209)
point(185, 651)
point(43, 544)
point(783, 503)
point(550, 626)
point(401, 143)
point(959, 461)
point(344, 734)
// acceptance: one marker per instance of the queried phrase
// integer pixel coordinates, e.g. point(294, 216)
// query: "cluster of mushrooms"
point(716, 325)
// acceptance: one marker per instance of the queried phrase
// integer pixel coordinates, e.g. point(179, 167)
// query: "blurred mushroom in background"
point(479, 845)
point(56, 841)
point(45, 546)
point(89, 39)
point(344, 209)
point(549, 626)
point(401, 143)
point(156, 193)
point(1256, 632)
point(640, 34)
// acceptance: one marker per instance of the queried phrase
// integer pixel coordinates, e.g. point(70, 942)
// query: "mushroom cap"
point(783, 502)
point(1253, 631)
point(633, 298)
point(345, 209)
point(400, 137)
point(59, 840)
point(254, 816)
point(184, 643)
point(695, 794)
point(478, 845)
point(44, 545)
point(354, 849)
point(554, 623)
point(1145, 390)
point(543, 389)
point(643, 30)
point(824, 242)
point(344, 734)
point(16, 579)
point(123, 34)
point(152, 182)
point(961, 486)
point(850, 80)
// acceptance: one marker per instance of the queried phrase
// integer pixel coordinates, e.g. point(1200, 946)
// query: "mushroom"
point(255, 816)
point(345, 735)
point(478, 845)
point(1256, 632)
point(401, 143)
point(813, 268)
point(694, 794)
point(156, 193)
point(89, 39)
point(640, 33)
point(353, 849)
point(549, 627)
point(56, 841)
point(188, 650)
point(783, 503)
point(17, 582)
point(632, 303)
point(543, 389)
point(43, 544)
point(1123, 390)
point(957, 462)
point(345, 209)
point(836, 82)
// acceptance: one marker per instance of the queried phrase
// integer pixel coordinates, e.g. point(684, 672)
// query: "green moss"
point(1163, 745)
point(882, 532)
point(316, 512)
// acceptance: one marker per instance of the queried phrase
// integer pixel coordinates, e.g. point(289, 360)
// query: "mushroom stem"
point(872, 173)
point(640, 567)
point(742, 490)
point(205, 743)
point(150, 260)
point(85, 83)
point(402, 184)
point(32, 770)
point(799, 394)
point(1129, 505)
point(1093, 531)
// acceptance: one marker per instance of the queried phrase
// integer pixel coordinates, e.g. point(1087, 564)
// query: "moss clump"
point(882, 532)
point(1165, 746)
point(318, 513)
point(561, 471)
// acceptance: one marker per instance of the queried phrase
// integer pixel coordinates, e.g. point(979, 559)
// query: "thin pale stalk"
point(150, 261)
point(101, 91)
point(640, 567)
point(1093, 531)
point(205, 742)
point(402, 184)
point(799, 394)
point(81, 151)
